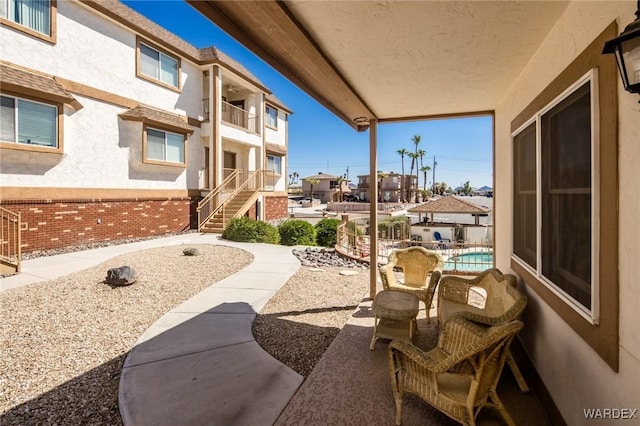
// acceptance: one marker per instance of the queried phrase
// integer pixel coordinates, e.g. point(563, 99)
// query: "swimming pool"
point(469, 262)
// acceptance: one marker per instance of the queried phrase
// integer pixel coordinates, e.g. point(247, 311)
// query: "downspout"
point(373, 203)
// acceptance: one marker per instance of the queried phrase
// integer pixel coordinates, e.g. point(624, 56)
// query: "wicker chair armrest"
point(420, 357)
point(386, 276)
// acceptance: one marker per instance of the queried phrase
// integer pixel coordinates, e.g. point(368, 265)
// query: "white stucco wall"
point(575, 375)
point(279, 137)
point(94, 51)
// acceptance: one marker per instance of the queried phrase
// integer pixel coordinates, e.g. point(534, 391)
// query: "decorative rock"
point(190, 251)
point(348, 273)
point(124, 275)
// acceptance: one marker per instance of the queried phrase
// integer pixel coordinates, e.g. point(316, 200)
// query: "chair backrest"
point(504, 302)
point(416, 264)
point(437, 236)
point(487, 347)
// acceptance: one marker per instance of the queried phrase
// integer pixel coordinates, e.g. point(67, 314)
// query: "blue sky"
point(319, 141)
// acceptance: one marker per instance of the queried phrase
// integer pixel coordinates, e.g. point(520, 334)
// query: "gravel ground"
point(301, 320)
point(64, 341)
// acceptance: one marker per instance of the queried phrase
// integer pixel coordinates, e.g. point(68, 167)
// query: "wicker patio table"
point(395, 316)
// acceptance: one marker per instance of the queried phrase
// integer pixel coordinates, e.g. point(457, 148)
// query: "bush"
point(244, 229)
point(297, 232)
point(327, 231)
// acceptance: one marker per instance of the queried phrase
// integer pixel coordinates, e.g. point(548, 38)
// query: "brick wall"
point(55, 224)
point(276, 208)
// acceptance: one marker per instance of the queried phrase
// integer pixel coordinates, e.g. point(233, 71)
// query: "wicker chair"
point(416, 264)
point(459, 377)
point(504, 303)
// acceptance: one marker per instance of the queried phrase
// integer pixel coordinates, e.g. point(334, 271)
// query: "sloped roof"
point(449, 205)
point(19, 80)
point(270, 98)
point(321, 176)
point(147, 28)
point(275, 148)
point(153, 116)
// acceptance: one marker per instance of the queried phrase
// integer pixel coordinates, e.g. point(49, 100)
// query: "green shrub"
point(327, 231)
point(297, 232)
point(249, 230)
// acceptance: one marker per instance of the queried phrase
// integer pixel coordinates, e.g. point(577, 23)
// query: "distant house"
point(113, 127)
point(327, 189)
point(389, 187)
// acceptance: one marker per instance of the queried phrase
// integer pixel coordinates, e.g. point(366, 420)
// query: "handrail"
point(239, 117)
point(10, 238)
point(212, 203)
point(254, 183)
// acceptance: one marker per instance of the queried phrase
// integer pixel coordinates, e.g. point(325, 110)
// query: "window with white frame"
point(28, 122)
point(271, 116)
point(163, 146)
point(274, 163)
point(33, 14)
point(158, 65)
point(555, 196)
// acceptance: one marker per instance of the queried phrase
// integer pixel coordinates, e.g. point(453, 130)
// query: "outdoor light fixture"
point(627, 50)
point(365, 120)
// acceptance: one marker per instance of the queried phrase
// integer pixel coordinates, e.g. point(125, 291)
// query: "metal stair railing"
point(213, 202)
point(10, 238)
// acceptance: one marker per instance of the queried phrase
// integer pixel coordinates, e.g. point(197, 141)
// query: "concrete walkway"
point(199, 363)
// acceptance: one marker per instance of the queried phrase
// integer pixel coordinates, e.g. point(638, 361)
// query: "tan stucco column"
point(216, 154)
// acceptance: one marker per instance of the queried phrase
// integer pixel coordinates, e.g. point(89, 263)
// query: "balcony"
point(232, 115)
point(239, 117)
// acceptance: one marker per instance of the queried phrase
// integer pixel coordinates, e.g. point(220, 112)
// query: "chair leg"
point(516, 373)
point(374, 338)
point(500, 407)
point(398, 401)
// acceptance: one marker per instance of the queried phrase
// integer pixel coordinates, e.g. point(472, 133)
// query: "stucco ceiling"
point(393, 60)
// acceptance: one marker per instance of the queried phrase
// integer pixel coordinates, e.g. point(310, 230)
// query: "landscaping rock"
point(317, 257)
point(124, 275)
point(190, 251)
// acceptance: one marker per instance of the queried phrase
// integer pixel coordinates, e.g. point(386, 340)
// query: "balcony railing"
point(10, 245)
point(205, 109)
point(239, 117)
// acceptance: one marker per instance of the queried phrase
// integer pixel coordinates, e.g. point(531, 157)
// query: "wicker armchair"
point(504, 303)
point(459, 377)
point(416, 264)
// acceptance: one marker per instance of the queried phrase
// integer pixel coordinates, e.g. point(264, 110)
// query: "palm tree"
point(424, 170)
point(312, 182)
point(381, 176)
point(414, 160)
point(339, 181)
point(421, 153)
point(402, 153)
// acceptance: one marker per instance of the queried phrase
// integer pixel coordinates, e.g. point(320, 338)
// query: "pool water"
point(469, 262)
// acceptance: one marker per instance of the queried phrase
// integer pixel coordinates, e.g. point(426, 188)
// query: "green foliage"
point(395, 227)
point(249, 230)
point(326, 232)
point(297, 232)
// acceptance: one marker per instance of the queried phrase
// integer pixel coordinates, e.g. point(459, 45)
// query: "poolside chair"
point(491, 298)
point(458, 377)
point(443, 243)
point(416, 264)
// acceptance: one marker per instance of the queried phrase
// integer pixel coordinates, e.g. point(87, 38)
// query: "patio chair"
point(458, 377)
point(416, 264)
point(491, 298)
point(443, 243)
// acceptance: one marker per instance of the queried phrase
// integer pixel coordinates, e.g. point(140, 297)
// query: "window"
point(161, 146)
point(27, 122)
point(554, 193)
point(32, 14)
point(271, 116)
point(274, 163)
point(158, 65)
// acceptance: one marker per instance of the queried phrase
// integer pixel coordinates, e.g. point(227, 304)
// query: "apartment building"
point(115, 128)
point(390, 187)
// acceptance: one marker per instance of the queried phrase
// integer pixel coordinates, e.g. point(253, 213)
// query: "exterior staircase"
point(235, 206)
point(10, 245)
point(233, 198)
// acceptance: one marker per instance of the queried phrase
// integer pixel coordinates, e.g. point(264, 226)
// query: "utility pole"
point(435, 163)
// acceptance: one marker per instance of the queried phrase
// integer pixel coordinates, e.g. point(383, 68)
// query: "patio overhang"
point(382, 62)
